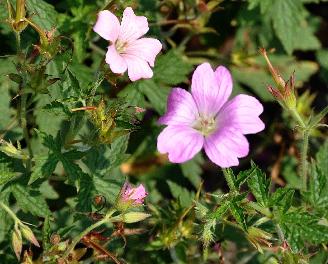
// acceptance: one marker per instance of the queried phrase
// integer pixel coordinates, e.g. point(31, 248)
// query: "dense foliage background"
point(72, 133)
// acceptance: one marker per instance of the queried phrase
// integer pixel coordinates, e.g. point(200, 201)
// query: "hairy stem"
point(304, 163)
point(78, 238)
point(23, 124)
point(280, 233)
point(10, 212)
point(228, 176)
point(305, 146)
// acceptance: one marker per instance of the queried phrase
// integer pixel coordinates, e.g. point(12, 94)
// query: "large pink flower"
point(127, 50)
point(205, 118)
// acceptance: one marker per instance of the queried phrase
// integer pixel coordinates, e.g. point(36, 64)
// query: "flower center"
point(120, 46)
point(205, 125)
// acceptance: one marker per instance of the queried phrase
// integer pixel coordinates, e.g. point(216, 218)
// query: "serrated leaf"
point(157, 95)
point(322, 158)
point(238, 214)
point(43, 168)
point(108, 188)
point(181, 194)
point(282, 198)
point(259, 186)
point(46, 233)
point(85, 194)
point(44, 14)
point(30, 200)
point(302, 228)
point(132, 95)
point(171, 68)
point(6, 173)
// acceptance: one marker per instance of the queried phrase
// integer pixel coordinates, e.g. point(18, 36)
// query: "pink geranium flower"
point(134, 195)
point(205, 118)
point(127, 50)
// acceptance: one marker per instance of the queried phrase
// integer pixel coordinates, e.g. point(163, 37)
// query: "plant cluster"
point(107, 105)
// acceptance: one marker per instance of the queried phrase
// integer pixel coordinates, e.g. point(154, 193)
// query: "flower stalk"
point(78, 238)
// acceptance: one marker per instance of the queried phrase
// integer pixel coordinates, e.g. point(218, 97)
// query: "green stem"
point(10, 212)
point(23, 124)
point(18, 42)
point(228, 176)
point(262, 210)
point(305, 146)
point(297, 118)
point(280, 233)
point(304, 167)
point(78, 238)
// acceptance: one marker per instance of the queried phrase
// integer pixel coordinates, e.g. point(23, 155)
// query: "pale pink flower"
point(127, 50)
point(205, 118)
point(135, 195)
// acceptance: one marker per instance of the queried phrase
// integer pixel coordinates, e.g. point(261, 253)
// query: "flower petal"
point(137, 68)
point(225, 147)
point(181, 143)
point(145, 48)
point(210, 90)
point(116, 62)
point(107, 26)
point(181, 108)
point(132, 26)
point(242, 113)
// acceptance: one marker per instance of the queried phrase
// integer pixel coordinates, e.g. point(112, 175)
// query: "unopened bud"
point(17, 242)
point(133, 217)
point(28, 234)
point(10, 150)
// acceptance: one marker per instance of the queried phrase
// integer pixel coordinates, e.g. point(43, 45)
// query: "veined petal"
point(181, 143)
point(181, 108)
point(145, 48)
point(137, 67)
point(107, 26)
point(116, 62)
point(224, 82)
point(225, 146)
point(132, 26)
point(210, 90)
point(242, 113)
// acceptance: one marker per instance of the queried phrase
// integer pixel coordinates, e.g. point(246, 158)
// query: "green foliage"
point(73, 133)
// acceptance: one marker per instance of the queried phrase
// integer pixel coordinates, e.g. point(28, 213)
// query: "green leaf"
point(66, 158)
point(192, 170)
point(46, 233)
point(30, 200)
point(322, 158)
point(85, 194)
point(7, 170)
point(238, 214)
point(157, 95)
point(44, 167)
point(44, 14)
point(317, 195)
point(181, 194)
point(259, 186)
point(171, 68)
point(132, 95)
point(108, 188)
point(301, 228)
point(282, 198)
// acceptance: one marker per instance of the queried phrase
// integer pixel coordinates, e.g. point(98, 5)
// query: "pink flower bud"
point(134, 195)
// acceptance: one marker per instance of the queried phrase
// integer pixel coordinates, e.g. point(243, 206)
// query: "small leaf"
point(181, 194)
point(259, 185)
point(30, 201)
